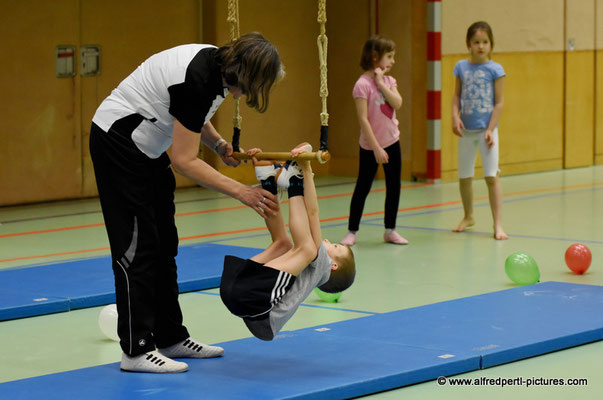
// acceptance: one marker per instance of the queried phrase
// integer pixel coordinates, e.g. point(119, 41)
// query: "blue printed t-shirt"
point(477, 91)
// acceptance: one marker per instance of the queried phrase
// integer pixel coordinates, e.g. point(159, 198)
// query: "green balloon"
point(328, 297)
point(522, 269)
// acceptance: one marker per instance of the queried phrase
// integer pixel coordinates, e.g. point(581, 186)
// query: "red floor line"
point(68, 228)
point(107, 248)
point(264, 228)
point(206, 235)
point(223, 233)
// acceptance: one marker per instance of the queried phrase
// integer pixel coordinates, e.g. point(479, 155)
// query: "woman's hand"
point(225, 152)
point(261, 201)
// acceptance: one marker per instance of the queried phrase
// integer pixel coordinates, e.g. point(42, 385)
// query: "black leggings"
point(367, 169)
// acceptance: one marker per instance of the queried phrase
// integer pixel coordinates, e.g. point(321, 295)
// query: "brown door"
point(128, 32)
point(40, 155)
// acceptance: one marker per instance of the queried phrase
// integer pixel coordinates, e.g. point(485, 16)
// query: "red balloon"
point(578, 258)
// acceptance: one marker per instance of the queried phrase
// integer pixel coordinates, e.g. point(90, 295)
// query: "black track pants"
point(137, 199)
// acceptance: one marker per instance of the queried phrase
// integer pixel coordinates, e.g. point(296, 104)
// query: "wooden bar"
point(320, 156)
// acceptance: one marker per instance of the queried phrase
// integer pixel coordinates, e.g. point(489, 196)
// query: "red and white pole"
point(434, 90)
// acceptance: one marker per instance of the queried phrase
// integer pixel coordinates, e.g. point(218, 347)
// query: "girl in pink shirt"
point(376, 96)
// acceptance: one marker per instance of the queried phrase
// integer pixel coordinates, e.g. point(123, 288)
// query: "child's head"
point(480, 33)
point(251, 63)
point(343, 269)
point(374, 51)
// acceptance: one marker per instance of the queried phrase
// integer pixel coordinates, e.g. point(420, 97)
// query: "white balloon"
point(107, 321)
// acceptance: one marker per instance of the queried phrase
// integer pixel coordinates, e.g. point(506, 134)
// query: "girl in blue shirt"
point(477, 104)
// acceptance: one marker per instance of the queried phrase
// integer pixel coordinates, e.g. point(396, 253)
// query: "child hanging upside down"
point(267, 289)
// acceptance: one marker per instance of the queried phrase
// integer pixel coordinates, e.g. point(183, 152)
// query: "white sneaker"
point(190, 348)
point(152, 361)
point(265, 171)
point(289, 169)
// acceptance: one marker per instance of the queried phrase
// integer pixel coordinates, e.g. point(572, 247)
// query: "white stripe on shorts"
point(279, 288)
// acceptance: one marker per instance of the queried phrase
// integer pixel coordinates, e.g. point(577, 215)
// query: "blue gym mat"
point(360, 356)
point(29, 291)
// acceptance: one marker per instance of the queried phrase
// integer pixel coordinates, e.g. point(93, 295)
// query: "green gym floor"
point(543, 214)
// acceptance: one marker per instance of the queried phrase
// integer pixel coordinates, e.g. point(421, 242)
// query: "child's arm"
point(499, 100)
point(301, 226)
point(457, 123)
point(362, 113)
point(311, 201)
point(393, 97)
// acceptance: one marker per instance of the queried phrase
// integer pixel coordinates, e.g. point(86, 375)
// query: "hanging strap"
point(324, 88)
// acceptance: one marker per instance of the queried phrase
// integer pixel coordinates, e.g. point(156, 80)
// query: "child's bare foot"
point(499, 234)
point(465, 223)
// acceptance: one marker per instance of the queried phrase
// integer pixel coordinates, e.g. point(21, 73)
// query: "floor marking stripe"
point(427, 206)
point(186, 214)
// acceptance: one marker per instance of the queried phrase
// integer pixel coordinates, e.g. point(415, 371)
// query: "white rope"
point(233, 20)
point(322, 57)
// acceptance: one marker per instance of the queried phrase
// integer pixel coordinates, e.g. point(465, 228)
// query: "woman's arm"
point(210, 136)
point(212, 139)
point(185, 146)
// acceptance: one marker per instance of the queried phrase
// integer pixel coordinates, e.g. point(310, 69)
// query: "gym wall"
point(551, 102)
point(547, 48)
point(46, 119)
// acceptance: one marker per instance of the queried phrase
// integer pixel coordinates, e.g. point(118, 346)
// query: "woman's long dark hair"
point(251, 63)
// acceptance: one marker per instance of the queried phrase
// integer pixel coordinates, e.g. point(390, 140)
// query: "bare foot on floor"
point(499, 234)
point(465, 223)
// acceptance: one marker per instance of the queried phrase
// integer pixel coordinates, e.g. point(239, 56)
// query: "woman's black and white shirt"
point(183, 83)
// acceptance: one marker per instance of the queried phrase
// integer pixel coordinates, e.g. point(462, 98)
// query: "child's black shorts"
point(250, 289)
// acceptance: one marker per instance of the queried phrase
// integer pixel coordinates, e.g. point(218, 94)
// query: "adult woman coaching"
point(168, 101)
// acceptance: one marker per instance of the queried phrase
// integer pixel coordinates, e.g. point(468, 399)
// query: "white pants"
point(468, 145)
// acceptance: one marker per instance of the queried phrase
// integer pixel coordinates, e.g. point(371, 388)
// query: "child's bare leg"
point(304, 249)
point(266, 173)
point(280, 240)
point(495, 196)
point(466, 189)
